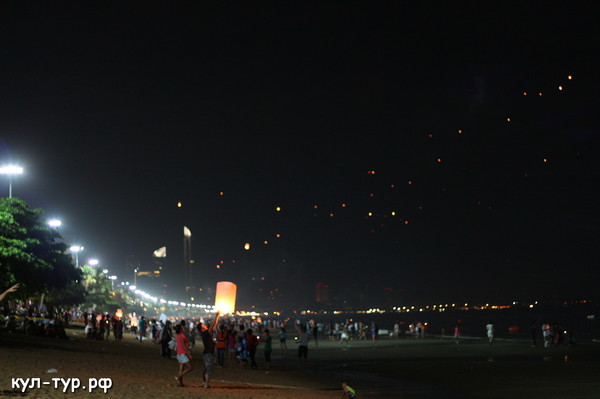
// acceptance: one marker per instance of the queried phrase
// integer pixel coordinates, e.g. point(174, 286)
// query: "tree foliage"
point(31, 253)
point(99, 289)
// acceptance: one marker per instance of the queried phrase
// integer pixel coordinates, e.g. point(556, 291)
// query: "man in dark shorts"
point(209, 348)
point(303, 339)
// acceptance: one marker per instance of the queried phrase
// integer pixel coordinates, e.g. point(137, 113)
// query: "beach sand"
point(396, 368)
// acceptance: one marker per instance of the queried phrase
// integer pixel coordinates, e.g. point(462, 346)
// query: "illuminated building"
point(322, 293)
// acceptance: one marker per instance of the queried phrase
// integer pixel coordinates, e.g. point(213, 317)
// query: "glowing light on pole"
point(10, 170)
point(76, 249)
point(225, 296)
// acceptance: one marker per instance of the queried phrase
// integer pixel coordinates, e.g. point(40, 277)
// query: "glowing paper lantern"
point(119, 313)
point(225, 297)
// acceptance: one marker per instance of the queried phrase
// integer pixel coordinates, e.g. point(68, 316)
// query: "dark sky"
point(118, 112)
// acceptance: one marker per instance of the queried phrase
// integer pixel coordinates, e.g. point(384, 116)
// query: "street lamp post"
point(10, 170)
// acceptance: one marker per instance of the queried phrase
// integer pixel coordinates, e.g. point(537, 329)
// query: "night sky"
point(408, 147)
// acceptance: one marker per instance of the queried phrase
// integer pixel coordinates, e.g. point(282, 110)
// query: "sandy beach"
point(395, 368)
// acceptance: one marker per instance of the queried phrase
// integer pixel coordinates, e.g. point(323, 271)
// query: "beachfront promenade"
point(395, 368)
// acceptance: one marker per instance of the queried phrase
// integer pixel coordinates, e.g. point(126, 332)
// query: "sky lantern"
point(247, 246)
point(225, 297)
point(119, 313)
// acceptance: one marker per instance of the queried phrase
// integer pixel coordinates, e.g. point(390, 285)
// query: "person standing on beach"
point(490, 332)
point(374, 333)
point(184, 356)
point(231, 344)
point(267, 348)
point(457, 333)
point(282, 343)
point(221, 345)
point(166, 335)
point(345, 335)
point(397, 329)
point(303, 339)
point(532, 332)
point(142, 326)
point(252, 341)
point(209, 348)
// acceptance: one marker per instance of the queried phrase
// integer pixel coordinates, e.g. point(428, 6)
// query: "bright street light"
point(76, 249)
point(54, 223)
point(10, 170)
point(93, 262)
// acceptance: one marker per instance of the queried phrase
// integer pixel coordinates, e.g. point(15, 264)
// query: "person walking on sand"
point(303, 339)
point(184, 356)
point(347, 391)
point(490, 332)
point(209, 348)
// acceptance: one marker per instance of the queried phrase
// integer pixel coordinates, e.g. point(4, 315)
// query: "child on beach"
point(184, 356)
point(348, 392)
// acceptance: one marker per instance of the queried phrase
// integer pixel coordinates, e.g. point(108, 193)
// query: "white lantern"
point(225, 297)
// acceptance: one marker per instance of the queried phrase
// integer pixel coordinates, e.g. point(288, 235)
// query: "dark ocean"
point(582, 319)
